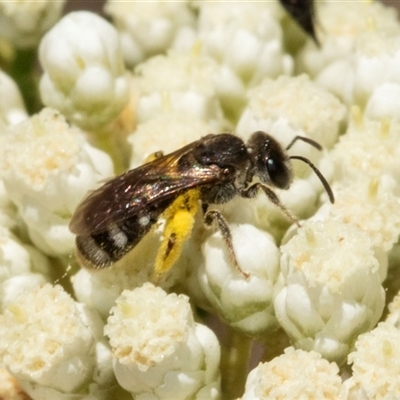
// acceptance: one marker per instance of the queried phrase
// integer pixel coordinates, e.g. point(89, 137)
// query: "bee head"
point(271, 164)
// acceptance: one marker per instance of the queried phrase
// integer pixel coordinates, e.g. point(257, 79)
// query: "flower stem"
point(23, 70)
point(234, 364)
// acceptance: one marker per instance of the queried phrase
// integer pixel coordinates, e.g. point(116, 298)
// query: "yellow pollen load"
point(179, 221)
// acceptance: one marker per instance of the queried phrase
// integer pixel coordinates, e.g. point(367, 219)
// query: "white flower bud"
point(375, 365)
point(12, 287)
point(339, 26)
point(160, 352)
point(149, 28)
point(246, 36)
point(376, 62)
point(331, 288)
point(181, 82)
point(47, 168)
point(12, 108)
point(373, 62)
point(384, 102)
point(297, 374)
point(293, 104)
point(48, 342)
point(245, 303)
point(84, 75)
point(14, 257)
point(24, 22)
point(19, 265)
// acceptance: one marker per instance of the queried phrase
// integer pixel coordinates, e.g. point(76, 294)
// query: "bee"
point(302, 11)
point(212, 170)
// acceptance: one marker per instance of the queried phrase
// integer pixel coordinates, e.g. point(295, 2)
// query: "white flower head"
point(367, 204)
point(184, 82)
point(290, 106)
point(12, 109)
point(24, 22)
point(330, 288)
point(159, 350)
point(244, 302)
point(246, 36)
point(370, 149)
point(84, 74)
point(47, 342)
point(375, 365)
point(47, 168)
point(149, 28)
point(296, 374)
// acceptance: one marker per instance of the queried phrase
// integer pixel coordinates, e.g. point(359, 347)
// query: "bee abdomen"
point(102, 249)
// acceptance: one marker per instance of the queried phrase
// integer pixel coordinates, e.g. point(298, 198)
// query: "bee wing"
point(152, 184)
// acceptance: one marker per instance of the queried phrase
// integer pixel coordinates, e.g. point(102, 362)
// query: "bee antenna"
point(320, 176)
point(304, 139)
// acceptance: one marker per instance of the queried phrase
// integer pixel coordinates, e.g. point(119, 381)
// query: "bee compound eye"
point(278, 173)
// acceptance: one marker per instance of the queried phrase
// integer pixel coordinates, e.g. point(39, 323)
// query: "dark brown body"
point(115, 217)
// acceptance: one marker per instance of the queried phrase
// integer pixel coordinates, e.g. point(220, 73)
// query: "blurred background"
point(97, 5)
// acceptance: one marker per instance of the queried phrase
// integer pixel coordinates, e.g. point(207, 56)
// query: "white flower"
point(246, 36)
point(150, 28)
point(339, 25)
point(165, 132)
point(84, 75)
point(331, 288)
point(19, 267)
point(369, 149)
point(24, 22)
point(296, 374)
point(290, 106)
point(375, 365)
point(384, 102)
point(47, 168)
point(160, 352)
point(245, 303)
point(370, 206)
point(184, 82)
point(12, 109)
point(49, 343)
point(12, 287)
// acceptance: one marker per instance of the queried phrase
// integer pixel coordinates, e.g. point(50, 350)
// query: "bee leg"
point(214, 215)
point(179, 221)
point(253, 190)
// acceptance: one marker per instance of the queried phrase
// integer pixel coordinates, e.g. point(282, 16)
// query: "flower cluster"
point(288, 280)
